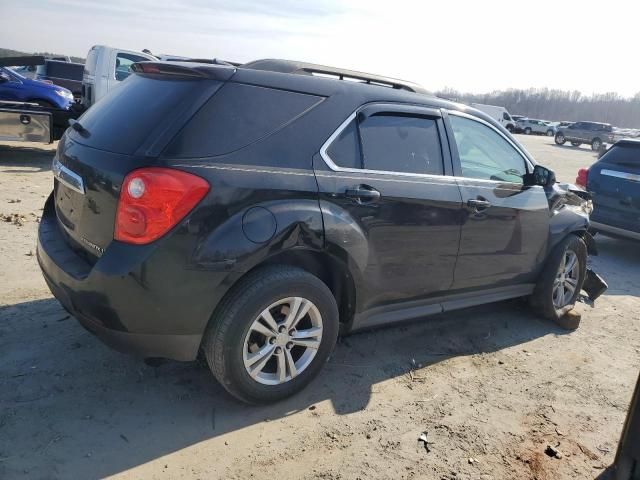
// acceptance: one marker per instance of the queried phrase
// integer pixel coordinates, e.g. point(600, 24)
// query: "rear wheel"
point(576, 144)
point(560, 140)
point(561, 280)
point(527, 131)
point(271, 336)
point(549, 133)
point(596, 144)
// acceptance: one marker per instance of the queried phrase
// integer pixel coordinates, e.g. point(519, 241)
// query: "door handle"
point(478, 204)
point(363, 194)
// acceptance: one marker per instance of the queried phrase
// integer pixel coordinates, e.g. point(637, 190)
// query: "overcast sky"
point(473, 46)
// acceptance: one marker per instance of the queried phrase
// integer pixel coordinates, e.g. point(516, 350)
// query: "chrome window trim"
point(67, 177)
point(632, 177)
point(516, 147)
point(330, 163)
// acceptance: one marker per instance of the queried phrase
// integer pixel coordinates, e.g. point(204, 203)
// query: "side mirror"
point(543, 176)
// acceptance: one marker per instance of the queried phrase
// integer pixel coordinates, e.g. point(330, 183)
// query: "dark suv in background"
point(614, 182)
point(252, 213)
point(591, 133)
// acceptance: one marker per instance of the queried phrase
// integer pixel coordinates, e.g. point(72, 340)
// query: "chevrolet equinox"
point(252, 213)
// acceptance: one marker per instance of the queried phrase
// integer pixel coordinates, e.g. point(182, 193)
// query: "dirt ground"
point(490, 387)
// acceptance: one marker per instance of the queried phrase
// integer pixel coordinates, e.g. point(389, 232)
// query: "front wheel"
point(561, 279)
point(272, 335)
point(596, 144)
point(527, 131)
point(549, 133)
point(560, 140)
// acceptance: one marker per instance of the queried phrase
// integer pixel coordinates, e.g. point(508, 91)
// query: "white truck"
point(105, 68)
point(500, 114)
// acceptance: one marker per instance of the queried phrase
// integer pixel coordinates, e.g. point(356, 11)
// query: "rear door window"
point(387, 142)
point(485, 154)
point(398, 143)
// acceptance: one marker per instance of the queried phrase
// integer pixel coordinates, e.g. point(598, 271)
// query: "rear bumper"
point(618, 232)
point(117, 301)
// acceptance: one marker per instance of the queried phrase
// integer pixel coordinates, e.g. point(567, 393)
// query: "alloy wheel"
point(282, 341)
point(566, 282)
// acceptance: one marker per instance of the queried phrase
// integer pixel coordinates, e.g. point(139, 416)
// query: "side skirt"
point(398, 312)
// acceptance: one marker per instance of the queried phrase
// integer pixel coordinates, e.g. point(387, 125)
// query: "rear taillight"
point(153, 200)
point(583, 177)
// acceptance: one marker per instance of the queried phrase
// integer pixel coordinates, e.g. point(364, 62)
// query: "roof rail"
point(303, 68)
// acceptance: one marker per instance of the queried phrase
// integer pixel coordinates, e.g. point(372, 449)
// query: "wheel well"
point(332, 271)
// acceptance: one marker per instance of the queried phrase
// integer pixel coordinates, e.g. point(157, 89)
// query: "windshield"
point(12, 74)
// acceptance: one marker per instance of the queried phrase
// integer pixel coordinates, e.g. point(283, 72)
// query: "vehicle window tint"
point(505, 116)
point(623, 155)
point(398, 143)
point(71, 71)
point(484, 154)
point(122, 120)
point(124, 62)
point(237, 116)
point(344, 151)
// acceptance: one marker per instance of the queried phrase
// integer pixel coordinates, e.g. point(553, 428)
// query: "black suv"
point(592, 133)
point(252, 213)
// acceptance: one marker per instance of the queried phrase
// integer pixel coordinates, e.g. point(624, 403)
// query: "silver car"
point(531, 125)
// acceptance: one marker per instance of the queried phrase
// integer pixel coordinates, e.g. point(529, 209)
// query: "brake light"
point(583, 177)
point(153, 200)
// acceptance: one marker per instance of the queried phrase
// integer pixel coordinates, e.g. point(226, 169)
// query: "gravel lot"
point(490, 386)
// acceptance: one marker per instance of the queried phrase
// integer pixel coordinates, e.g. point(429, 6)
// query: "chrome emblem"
point(92, 245)
point(67, 177)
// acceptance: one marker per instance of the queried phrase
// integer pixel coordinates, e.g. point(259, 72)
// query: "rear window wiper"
point(77, 126)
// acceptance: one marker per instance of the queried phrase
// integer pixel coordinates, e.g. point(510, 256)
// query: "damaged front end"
point(570, 207)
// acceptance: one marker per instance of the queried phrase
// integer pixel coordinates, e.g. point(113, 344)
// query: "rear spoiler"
point(185, 69)
point(26, 61)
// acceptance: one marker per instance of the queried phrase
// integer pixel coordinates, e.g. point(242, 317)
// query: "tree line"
point(559, 105)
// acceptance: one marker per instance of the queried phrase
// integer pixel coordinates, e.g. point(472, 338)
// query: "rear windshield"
point(132, 112)
point(623, 155)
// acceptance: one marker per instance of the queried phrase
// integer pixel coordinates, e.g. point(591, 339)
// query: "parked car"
point(64, 74)
point(517, 128)
point(14, 87)
point(592, 133)
point(499, 114)
point(105, 68)
point(532, 125)
point(252, 213)
point(555, 126)
point(614, 182)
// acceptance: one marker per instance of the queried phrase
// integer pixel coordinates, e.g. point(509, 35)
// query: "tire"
point(596, 144)
point(510, 128)
point(576, 144)
point(549, 133)
point(546, 299)
point(527, 131)
point(231, 340)
point(560, 140)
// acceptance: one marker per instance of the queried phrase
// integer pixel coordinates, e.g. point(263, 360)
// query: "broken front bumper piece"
point(594, 285)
